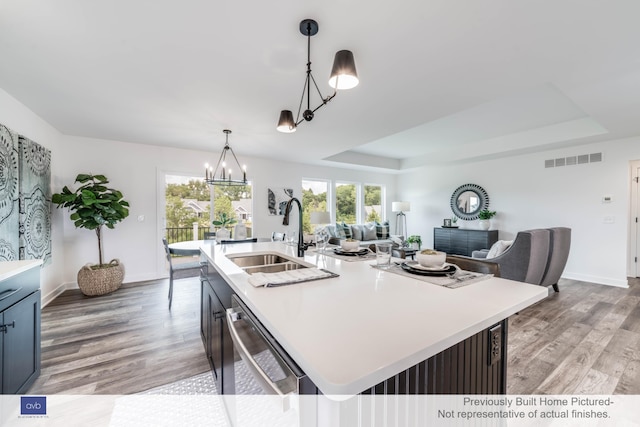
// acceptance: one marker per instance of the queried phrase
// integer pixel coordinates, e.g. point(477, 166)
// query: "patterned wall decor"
point(25, 198)
point(277, 199)
point(35, 200)
point(9, 210)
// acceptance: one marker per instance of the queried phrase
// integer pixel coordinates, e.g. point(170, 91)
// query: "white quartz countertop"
point(11, 268)
point(351, 332)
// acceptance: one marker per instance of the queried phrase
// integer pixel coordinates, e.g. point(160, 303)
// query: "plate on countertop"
point(415, 268)
point(357, 252)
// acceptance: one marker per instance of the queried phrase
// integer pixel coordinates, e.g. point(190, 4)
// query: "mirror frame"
point(482, 196)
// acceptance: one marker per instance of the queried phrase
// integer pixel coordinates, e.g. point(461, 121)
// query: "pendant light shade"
point(343, 76)
point(343, 72)
point(286, 123)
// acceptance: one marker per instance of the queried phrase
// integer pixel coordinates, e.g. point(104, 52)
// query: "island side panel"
point(476, 365)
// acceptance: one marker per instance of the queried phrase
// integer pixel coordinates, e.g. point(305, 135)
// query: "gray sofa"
point(368, 233)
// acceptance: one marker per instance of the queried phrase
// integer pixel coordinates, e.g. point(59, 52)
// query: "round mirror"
point(468, 200)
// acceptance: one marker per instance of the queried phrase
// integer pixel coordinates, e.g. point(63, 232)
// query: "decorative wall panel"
point(9, 209)
point(25, 198)
point(35, 200)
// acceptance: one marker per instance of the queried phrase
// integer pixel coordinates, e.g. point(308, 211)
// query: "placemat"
point(460, 278)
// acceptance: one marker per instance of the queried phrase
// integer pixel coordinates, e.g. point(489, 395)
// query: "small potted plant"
point(94, 205)
point(454, 221)
point(485, 216)
point(415, 241)
point(223, 222)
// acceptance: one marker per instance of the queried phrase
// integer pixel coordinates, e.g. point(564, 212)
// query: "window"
point(315, 198)
point(188, 200)
point(346, 202)
point(373, 203)
point(236, 202)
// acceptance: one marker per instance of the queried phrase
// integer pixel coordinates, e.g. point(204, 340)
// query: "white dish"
point(350, 245)
point(436, 260)
point(435, 268)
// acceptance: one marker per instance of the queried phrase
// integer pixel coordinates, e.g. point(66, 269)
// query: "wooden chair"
point(475, 265)
point(179, 270)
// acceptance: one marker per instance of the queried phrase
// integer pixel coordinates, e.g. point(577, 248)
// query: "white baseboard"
point(620, 283)
point(46, 299)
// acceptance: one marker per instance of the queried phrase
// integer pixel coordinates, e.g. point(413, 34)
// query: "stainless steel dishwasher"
point(262, 367)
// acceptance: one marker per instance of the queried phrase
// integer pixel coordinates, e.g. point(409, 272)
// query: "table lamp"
point(401, 218)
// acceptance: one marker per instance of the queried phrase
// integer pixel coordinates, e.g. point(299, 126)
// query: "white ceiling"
point(440, 80)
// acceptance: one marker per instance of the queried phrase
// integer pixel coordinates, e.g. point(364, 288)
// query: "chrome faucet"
point(285, 221)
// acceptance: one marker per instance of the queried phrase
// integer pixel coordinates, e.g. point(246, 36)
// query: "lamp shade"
point(320, 218)
point(286, 123)
point(343, 72)
point(400, 207)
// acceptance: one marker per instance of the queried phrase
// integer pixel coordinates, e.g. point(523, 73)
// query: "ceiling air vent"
point(573, 160)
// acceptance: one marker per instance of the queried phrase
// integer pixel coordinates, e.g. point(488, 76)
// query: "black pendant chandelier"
point(221, 175)
point(343, 76)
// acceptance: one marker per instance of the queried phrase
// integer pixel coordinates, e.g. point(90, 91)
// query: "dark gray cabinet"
point(19, 331)
point(215, 299)
point(457, 241)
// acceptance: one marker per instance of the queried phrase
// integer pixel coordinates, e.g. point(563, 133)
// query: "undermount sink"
point(255, 260)
point(265, 263)
point(274, 268)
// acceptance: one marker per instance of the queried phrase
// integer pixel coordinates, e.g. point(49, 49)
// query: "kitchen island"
point(358, 332)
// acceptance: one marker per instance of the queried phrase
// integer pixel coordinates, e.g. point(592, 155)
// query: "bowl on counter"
point(350, 244)
point(430, 258)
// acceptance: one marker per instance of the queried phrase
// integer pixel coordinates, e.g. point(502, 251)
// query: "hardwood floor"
point(122, 343)
point(583, 340)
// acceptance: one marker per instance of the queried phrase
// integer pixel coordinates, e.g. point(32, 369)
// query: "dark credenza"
point(458, 241)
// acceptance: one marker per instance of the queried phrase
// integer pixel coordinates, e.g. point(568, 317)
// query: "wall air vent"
point(573, 160)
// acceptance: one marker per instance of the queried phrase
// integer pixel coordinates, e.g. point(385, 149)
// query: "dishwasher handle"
point(234, 316)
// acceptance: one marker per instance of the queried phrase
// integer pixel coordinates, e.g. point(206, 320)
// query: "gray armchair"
point(526, 259)
point(558, 255)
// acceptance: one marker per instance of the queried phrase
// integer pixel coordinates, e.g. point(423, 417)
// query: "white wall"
point(20, 119)
point(135, 169)
point(526, 195)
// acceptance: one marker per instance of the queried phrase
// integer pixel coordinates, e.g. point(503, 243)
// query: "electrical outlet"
point(495, 344)
point(609, 219)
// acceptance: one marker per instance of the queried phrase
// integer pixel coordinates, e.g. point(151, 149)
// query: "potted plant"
point(415, 241)
point(223, 221)
point(94, 205)
point(485, 216)
point(454, 221)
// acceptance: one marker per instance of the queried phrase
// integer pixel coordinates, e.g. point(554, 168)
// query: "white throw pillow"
point(369, 231)
point(499, 247)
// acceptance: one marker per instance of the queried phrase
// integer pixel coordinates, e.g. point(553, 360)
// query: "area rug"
point(189, 402)
point(196, 385)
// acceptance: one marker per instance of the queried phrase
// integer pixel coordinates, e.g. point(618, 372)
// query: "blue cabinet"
point(19, 331)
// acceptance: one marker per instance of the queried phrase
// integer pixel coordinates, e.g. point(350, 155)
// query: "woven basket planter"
point(94, 281)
